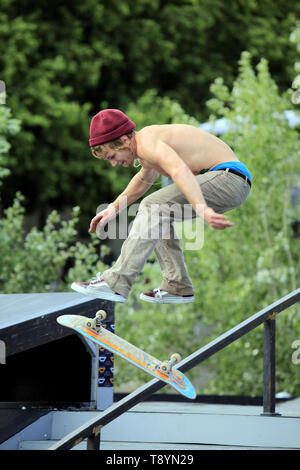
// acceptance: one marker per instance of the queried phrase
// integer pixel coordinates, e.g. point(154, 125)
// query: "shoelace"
point(159, 292)
point(96, 279)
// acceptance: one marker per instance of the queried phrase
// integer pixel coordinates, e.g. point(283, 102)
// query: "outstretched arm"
point(138, 185)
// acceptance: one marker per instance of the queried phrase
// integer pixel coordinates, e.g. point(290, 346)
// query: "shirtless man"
point(206, 174)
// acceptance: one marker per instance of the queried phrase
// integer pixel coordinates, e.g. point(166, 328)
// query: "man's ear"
point(125, 139)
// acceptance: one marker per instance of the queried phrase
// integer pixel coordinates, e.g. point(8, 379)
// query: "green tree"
point(36, 261)
point(62, 62)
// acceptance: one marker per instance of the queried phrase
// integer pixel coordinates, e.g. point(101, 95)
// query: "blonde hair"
point(117, 144)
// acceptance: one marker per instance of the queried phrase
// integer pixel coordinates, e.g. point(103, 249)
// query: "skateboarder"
point(206, 175)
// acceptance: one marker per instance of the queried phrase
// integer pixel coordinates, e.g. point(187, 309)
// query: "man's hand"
point(103, 217)
point(216, 221)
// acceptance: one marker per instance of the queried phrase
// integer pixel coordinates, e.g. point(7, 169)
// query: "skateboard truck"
point(96, 323)
point(166, 366)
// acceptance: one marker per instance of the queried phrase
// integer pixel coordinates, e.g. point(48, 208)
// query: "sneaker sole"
point(152, 300)
point(102, 295)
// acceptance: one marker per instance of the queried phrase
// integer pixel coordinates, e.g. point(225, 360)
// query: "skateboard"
point(166, 371)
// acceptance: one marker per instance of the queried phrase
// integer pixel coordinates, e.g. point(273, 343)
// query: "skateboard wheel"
point(101, 315)
point(90, 324)
point(175, 357)
point(165, 367)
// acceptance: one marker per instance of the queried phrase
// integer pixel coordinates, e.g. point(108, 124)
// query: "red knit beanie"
point(108, 125)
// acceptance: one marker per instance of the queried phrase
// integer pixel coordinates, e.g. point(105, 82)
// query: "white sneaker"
point(97, 287)
point(158, 296)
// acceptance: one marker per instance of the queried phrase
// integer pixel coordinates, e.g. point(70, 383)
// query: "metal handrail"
point(92, 428)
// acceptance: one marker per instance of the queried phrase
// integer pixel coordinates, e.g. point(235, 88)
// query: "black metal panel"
point(13, 421)
point(44, 329)
point(269, 402)
point(56, 372)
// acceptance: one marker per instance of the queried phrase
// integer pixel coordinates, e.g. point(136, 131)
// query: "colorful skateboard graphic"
point(165, 371)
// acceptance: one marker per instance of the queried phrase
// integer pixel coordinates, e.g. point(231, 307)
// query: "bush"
point(36, 261)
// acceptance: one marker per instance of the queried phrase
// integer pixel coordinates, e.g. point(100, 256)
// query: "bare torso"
point(197, 148)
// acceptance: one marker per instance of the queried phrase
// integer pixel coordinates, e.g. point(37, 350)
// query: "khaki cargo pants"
point(153, 229)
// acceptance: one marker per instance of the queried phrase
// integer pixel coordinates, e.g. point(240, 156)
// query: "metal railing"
point(92, 428)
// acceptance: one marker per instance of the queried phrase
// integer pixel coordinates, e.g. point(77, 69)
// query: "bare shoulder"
point(150, 130)
point(166, 132)
point(146, 143)
point(148, 134)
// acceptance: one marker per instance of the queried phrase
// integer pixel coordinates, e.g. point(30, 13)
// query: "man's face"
point(122, 157)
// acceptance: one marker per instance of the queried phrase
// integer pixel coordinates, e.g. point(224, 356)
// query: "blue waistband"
point(238, 166)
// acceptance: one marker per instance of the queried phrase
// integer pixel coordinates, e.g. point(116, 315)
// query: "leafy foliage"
point(63, 62)
point(35, 262)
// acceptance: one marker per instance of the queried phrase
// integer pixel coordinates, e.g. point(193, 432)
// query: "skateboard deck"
point(130, 353)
